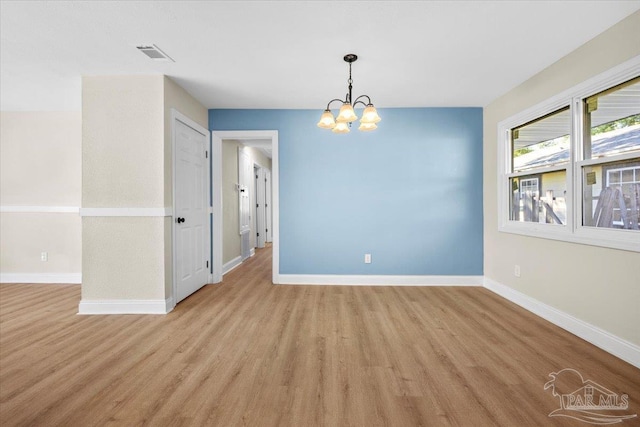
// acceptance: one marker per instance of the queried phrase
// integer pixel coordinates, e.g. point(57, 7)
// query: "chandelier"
point(342, 123)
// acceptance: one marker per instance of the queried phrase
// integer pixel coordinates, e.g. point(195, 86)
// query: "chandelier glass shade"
point(341, 127)
point(347, 115)
point(366, 127)
point(327, 121)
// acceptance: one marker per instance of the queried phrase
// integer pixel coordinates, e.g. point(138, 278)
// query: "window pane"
point(613, 117)
point(611, 196)
point(542, 142)
point(539, 198)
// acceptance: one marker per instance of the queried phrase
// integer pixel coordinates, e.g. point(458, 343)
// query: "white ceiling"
point(282, 54)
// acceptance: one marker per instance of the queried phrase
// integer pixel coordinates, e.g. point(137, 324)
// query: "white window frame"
point(573, 230)
point(524, 180)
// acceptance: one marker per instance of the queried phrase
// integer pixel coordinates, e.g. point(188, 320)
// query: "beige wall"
point(127, 149)
point(40, 162)
point(123, 258)
point(123, 166)
point(230, 204)
point(598, 285)
point(122, 140)
point(258, 157)
point(116, 153)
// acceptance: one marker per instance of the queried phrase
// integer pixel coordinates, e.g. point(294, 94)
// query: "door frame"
point(178, 116)
point(216, 158)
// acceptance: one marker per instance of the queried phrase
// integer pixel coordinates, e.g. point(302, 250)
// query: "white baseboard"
point(610, 343)
point(228, 266)
point(372, 280)
point(73, 278)
point(123, 306)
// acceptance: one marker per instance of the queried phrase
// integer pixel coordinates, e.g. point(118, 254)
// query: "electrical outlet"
point(44, 256)
point(367, 258)
point(516, 270)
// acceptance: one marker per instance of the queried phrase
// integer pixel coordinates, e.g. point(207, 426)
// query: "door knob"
point(179, 220)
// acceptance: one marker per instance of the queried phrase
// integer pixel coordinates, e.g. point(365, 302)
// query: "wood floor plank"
point(248, 353)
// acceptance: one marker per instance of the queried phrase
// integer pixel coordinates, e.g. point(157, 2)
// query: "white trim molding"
point(228, 266)
point(149, 212)
point(382, 280)
point(39, 209)
point(57, 278)
point(608, 342)
point(126, 306)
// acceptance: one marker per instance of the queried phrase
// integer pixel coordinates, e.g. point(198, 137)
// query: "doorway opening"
point(262, 216)
point(264, 193)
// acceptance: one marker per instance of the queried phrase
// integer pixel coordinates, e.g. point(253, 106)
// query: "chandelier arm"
point(336, 99)
point(360, 102)
point(363, 96)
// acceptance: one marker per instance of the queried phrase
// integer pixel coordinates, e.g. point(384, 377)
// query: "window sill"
point(607, 238)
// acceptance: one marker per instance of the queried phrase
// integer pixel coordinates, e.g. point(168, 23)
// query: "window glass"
point(539, 198)
point(542, 142)
point(612, 121)
point(611, 196)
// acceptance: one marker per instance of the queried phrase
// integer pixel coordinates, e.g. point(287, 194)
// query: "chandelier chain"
point(350, 81)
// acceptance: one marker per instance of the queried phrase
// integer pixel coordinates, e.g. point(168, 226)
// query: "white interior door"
point(190, 210)
point(245, 172)
point(267, 205)
point(260, 214)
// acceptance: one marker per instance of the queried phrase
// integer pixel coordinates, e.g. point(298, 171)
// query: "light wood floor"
point(246, 352)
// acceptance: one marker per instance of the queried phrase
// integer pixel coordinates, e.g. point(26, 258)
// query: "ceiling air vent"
point(154, 52)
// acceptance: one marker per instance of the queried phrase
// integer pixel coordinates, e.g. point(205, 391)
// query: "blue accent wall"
point(408, 193)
